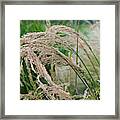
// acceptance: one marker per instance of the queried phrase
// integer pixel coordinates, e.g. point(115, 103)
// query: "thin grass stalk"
point(90, 49)
point(83, 80)
point(76, 82)
point(95, 70)
point(91, 81)
point(69, 47)
point(90, 59)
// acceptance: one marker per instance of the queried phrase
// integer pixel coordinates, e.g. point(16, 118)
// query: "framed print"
point(59, 59)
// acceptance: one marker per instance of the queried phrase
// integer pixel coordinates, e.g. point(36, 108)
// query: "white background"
point(13, 15)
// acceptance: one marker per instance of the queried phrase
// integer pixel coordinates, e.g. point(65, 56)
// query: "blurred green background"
point(27, 26)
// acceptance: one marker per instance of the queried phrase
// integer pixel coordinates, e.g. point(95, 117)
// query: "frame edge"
point(2, 64)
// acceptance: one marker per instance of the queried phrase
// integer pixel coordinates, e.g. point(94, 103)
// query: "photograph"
point(59, 59)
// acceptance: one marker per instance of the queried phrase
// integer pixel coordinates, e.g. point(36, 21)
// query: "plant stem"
point(76, 82)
